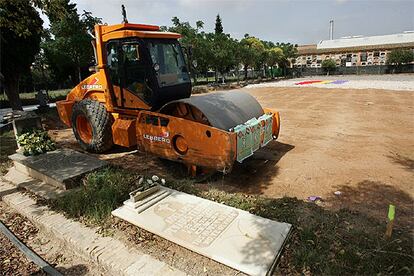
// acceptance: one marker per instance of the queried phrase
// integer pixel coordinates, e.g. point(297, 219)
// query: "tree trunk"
point(194, 77)
point(245, 72)
point(12, 91)
point(215, 75)
point(79, 75)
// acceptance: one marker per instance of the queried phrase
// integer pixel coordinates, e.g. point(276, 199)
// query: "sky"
point(294, 21)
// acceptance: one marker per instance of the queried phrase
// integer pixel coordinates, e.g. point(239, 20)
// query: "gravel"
point(387, 82)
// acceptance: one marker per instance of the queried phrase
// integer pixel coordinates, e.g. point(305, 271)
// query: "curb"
point(108, 252)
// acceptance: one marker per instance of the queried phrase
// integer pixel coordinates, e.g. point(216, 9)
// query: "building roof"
point(358, 43)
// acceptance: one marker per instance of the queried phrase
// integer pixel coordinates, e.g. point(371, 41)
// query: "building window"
point(376, 54)
point(363, 57)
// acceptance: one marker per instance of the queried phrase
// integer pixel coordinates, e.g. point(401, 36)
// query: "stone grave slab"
point(233, 237)
point(61, 168)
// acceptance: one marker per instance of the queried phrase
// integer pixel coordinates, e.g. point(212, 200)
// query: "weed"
point(102, 191)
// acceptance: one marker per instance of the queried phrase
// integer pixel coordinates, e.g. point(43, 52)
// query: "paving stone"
point(61, 168)
point(227, 235)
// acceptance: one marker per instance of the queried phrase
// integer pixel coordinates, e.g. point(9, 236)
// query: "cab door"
point(128, 74)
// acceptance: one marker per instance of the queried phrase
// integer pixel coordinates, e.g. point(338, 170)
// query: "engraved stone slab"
point(61, 168)
point(227, 235)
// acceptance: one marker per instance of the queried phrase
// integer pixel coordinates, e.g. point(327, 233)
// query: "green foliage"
point(219, 26)
point(328, 65)
point(221, 52)
point(35, 142)
point(102, 192)
point(67, 44)
point(252, 52)
point(274, 56)
point(400, 56)
point(20, 32)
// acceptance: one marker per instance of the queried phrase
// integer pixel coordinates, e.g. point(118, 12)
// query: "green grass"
point(30, 98)
point(102, 192)
point(322, 241)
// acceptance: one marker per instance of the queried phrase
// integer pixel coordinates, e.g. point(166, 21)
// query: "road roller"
point(139, 95)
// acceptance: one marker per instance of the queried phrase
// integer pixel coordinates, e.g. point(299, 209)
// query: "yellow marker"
point(390, 224)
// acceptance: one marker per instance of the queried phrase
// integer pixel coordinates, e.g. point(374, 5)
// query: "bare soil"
point(330, 140)
point(353, 141)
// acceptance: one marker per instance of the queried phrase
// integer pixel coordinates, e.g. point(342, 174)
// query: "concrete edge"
point(108, 252)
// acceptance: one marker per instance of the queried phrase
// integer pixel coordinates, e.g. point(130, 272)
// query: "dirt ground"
point(14, 262)
point(355, 141)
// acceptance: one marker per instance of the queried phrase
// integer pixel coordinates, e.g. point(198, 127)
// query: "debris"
point(314, 198)
point(149, 181)
point(337, 193)
point(162, 181)
point(155, 178)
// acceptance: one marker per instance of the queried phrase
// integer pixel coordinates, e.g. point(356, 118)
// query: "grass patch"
point(322, 242)
point(102, 192)
point(30, 98)
point(8, 146)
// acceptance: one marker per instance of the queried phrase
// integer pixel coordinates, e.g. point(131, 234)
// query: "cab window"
point(135, 71)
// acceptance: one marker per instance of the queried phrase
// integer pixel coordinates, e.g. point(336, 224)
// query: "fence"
point(235, 75)
point(354, 70)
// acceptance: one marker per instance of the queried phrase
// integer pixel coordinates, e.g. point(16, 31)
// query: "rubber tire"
point(101, 124)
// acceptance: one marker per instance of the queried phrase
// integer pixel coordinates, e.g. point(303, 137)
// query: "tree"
point(251, 50)
point(274, 56)
point(20, 32)
point(224, 55)
point(400, 56)
point(329, 65)
point(190, 41)
point(67, 47)
point(219, 26)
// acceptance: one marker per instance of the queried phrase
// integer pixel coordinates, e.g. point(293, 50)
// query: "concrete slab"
point(227, 235)
point(38, 187)
point(60, 168)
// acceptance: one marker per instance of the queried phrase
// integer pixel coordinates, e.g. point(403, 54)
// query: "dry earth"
point(358, 142)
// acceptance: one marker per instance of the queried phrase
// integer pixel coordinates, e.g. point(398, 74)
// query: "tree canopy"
point(20, 35)
point(219, 26)
point(58, 56)
point(400, 56)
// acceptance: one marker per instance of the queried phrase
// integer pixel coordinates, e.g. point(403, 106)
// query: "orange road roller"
point(140, 96)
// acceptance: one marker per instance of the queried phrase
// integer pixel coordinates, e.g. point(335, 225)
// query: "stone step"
point(61, 168)
point(39, 188)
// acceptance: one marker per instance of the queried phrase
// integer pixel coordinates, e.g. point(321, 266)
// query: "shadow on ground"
point(346, 239)
point(404, 161)
point(79, 269)
point(255, 173)
point(373, 198)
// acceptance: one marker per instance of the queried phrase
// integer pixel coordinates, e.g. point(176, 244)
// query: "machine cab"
point(145, 69)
